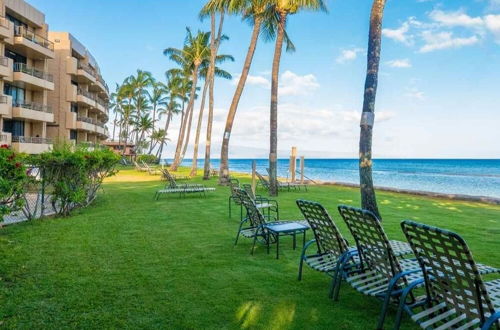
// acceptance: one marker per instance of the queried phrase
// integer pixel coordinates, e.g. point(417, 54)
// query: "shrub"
point(148, 159)
point(12, 180)
point(74, 176)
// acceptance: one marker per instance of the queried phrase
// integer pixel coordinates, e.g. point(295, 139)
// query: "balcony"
point(32, 45)
point(32, 111)
point(88, 124)
point(102, 106)
point(31, 145)
point(86, 72)
point(33, 78)
point(5, 138)
point(100, 86)
point(85, 97)
point(6, 65)
point(6, 28)
point(6, 106)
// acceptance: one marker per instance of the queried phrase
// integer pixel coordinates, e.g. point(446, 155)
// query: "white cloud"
point(294, 84)
point(253, 80)
point(414, 93)
point(443, 40)
point(402, 34)
point(401, 63)
point(455, 18)
point(492, 23)
point(348, 55)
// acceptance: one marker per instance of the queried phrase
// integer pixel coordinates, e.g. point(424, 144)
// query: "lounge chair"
point(456, 295)
point(166, 172)
point(150, 170)
point(233, 197)
point(139, 167)
point(332, 249)
point(381, 273)
point(263, 182)
point(173, 187)
point(263, 203)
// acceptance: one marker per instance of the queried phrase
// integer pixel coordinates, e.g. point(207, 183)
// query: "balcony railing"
point(101, 80)
point(86, 68)
point(21, 31)
point(102, 102)
point(90, 121)
point(21, 67)
point(31, 139)
point(32, 106)
point(3, 137)
point(85, 93)
point(4, 61)
point(3, 99)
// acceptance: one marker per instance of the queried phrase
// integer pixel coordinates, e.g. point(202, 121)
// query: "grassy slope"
point(128, 261)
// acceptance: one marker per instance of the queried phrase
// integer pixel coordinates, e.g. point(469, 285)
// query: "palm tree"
point(281, 8)
point(215, 41)
point(139, 83)
point(114, 105)
point(204, 73)
point(368, 198)
point(173, 108)
point(158, 137)
point(194, 52)
point(127, 121)
point(257, 14)
point(143, 125)
point(157, 97)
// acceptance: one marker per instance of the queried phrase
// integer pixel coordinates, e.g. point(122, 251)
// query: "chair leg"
point(402, 301)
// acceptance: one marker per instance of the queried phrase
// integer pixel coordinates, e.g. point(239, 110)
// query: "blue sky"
point(438, 87)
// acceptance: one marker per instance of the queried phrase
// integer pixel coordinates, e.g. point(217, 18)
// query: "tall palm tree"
point(139, 83)
point(204, 73)
point(157, 98)
point(127, 94)
point(158, 137)
point(192, 55)
point(281, 8)
point(215, 41)
point(143, 125)
point(173, 108)
point(258, 15)
point(368, 198)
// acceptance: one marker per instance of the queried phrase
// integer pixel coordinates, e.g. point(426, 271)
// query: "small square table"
point(286, 228)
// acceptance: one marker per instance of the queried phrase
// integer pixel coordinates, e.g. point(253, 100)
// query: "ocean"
point(474, 177)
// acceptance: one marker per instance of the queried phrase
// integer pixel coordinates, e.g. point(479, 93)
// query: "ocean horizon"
point(472, 177)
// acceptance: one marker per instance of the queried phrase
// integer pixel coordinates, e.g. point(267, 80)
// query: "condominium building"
point(80, 99)
point(24, 77)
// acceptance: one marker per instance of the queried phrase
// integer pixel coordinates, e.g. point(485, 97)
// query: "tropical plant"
point(190, 57)
point(368, 197)
point(158, 98)
point(282, 9)
point(138, 84)
point(204, 72)
point(258, 14)
point(12, 180)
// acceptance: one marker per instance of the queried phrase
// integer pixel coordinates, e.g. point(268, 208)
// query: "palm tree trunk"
point(368, 198)
point(224, 155)
point(194, 166)
point(188, 134)
point(179, 141)
point(167, 125)
point(214, 48)
point(177, 159)
point(154, 121)
point(273, 153)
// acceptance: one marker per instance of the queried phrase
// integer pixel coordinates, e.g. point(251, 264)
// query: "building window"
point(18, 94)
point(16, 22)
point(73, 134)
point(74, 107)
point(15, 127)
point(17, 58)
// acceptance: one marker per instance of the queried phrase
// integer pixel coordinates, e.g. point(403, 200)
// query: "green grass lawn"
point(129, 261)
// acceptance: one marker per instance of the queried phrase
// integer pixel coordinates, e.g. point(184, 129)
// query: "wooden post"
point(293, 163)
point(301, 169)
point(254, 182)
